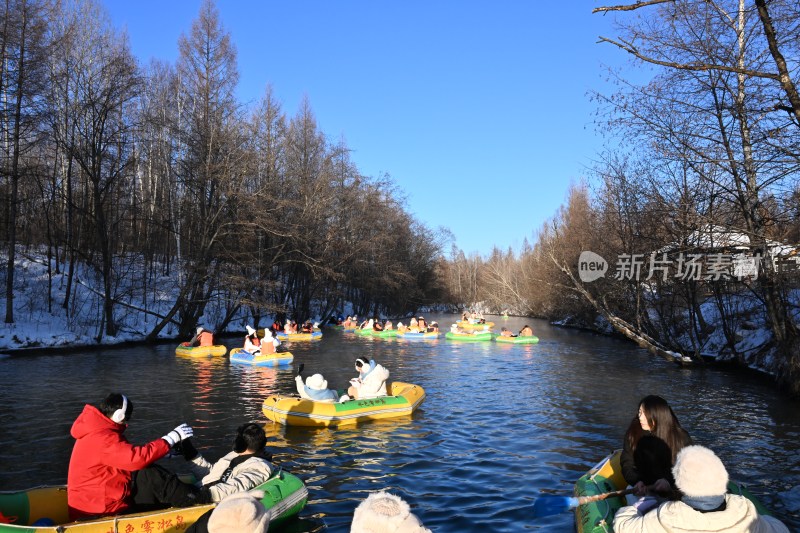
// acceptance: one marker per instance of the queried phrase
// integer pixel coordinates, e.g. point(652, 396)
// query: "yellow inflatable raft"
point(44, 510)
point(463, 324)
point(218, 350)
point(314, 335)
point(403, 399)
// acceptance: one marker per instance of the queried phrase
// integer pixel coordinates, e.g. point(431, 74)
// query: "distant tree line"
point(701, 153)
point(158, 171)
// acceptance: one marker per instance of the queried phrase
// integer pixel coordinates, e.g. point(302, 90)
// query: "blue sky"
point(479, 111)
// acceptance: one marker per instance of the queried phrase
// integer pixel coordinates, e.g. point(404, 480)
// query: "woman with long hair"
point(656, 418)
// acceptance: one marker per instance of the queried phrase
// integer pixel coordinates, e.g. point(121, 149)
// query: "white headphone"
point(119, 414)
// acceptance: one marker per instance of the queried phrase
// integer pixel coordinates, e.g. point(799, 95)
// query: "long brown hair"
point(663, 424)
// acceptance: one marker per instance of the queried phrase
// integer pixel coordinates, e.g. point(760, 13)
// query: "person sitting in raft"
point(401, 328)
point(306, 327)
point(376, 325)
point(109, 475)
point(202, 337)
point(413, 325)
point(655, 417)
point(269, 344)
point(276, 327)
point(421, 324)
point(434, 327)
point(252, 344)
point(454, 328)
point(526, 331)
point(245, 467)
point(655, 460)
point(384, 512)
point(505, 332)
point(705, 505)
point(316, 389)
point(371, 380)
point(388, 325)
point(242, 512)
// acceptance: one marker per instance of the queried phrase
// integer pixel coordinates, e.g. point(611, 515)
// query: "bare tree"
point(23, 51)
point(208, 168)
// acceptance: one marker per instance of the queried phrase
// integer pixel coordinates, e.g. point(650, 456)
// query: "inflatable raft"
point(385, 334)
point(238, 355)
point(606, 476)
point(314, 335)
point(463, 324)
point(469, 337)
point(44, 510)
point(416, 335)
point(403, 399)
point(533, 339)
point(218, 350)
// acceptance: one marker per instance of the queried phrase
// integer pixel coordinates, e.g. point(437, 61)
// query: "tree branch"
point(784, 78)
point(629, 7)
point(694, 67)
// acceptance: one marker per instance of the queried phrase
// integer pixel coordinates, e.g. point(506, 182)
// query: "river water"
point(500, 425)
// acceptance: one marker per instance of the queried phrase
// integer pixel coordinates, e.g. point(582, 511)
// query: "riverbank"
point(753, 347)
point(41, 323)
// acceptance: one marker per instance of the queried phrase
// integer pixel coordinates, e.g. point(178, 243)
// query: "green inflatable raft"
point(606, 476)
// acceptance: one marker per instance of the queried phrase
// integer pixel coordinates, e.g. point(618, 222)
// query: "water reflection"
point(501, 423)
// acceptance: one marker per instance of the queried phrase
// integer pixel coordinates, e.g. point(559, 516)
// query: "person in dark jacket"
point(109, 475)
point(655, 417)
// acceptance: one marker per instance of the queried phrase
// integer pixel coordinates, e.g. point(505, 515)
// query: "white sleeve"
point(246, 479)
point(628, 520)
point(301, 387)
point(200, 467)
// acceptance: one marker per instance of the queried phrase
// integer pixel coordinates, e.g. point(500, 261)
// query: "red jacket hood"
point(91, 420)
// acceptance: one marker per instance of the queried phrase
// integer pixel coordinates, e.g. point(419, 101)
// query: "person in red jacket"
point(109, 475)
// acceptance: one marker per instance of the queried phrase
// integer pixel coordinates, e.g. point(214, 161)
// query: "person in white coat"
point(315, 389)
point(252, 344)
point(705, 505)
point(244, 468)
point(371, 380)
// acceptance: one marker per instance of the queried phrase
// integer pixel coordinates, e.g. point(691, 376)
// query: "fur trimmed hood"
point(382, 512)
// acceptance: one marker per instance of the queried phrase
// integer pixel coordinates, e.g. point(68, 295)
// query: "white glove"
point(184, 431)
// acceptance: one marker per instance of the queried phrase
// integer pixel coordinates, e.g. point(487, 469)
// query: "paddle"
point(300, 368)
point(550, 505)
